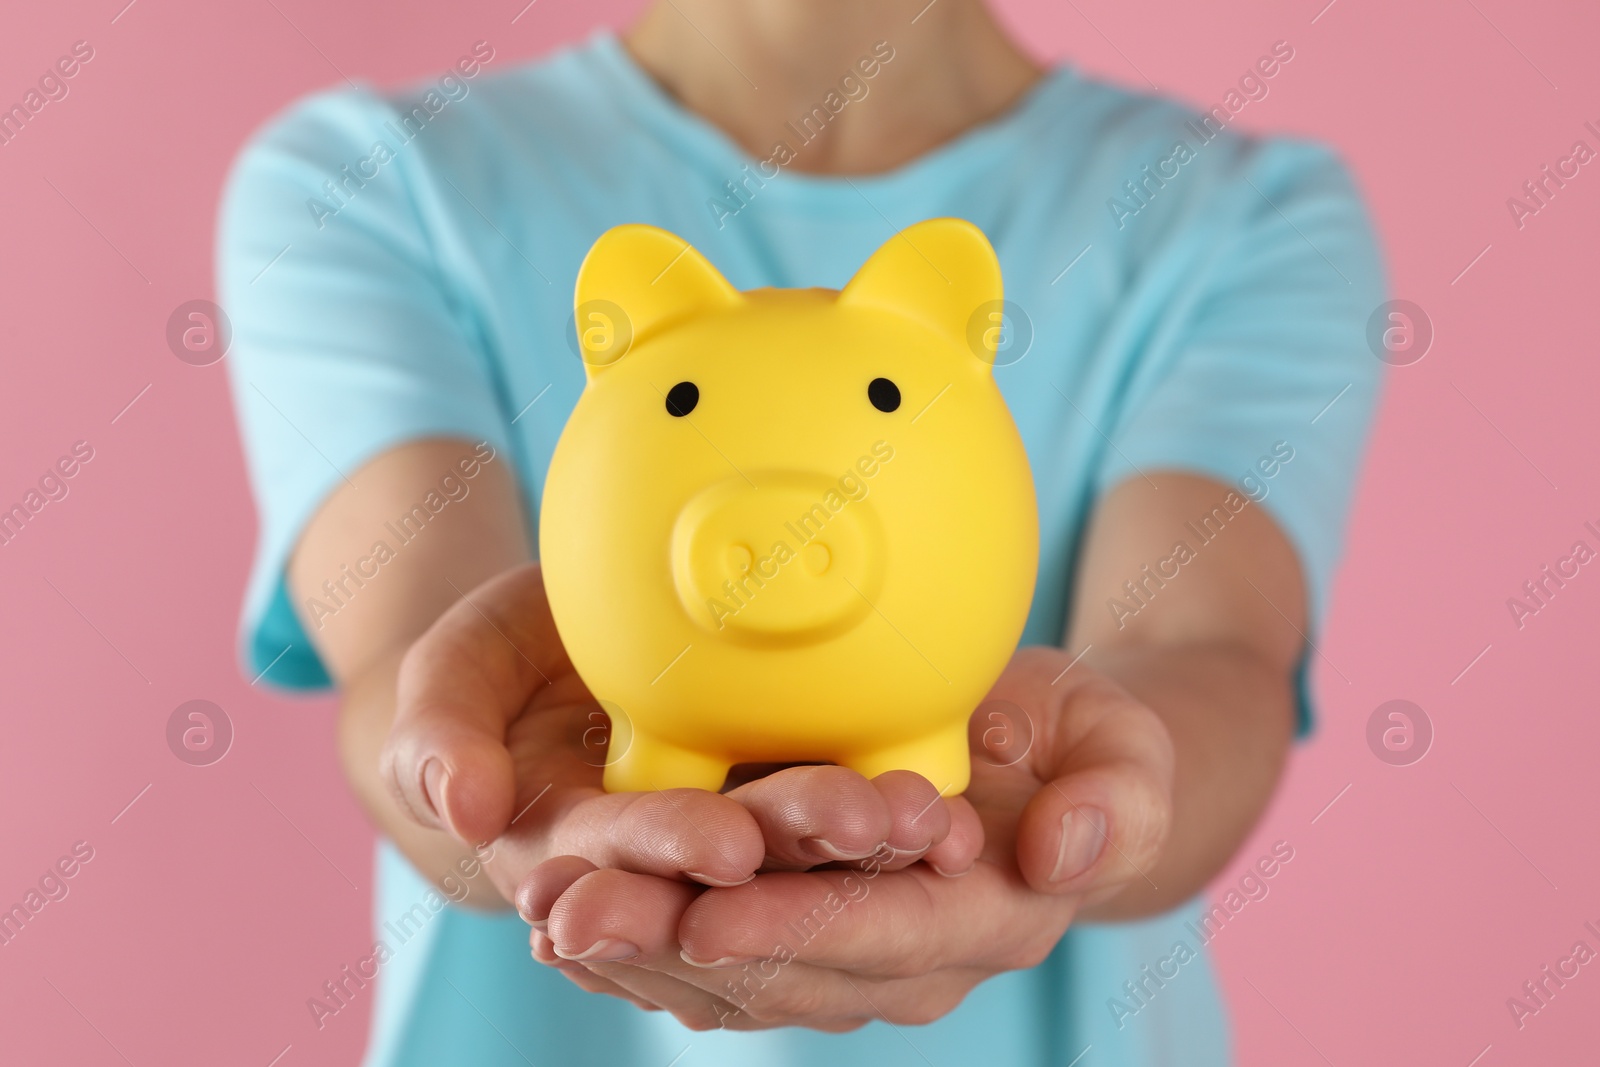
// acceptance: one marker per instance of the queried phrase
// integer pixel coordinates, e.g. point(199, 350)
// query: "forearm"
point(365, 717)
point(1231, 716)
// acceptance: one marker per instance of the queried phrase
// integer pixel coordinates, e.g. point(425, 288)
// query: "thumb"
point(460, 686)
point(448, 772)
point(1101, 820)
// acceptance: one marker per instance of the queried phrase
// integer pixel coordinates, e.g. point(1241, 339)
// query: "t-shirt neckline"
point(707, 141)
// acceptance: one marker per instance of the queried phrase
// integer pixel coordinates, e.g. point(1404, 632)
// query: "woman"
point(1186, 304)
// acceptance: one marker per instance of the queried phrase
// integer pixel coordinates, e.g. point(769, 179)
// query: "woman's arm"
point(364, 640)
point(1212, 650)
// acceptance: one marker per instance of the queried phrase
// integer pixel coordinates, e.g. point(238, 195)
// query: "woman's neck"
point(754, 67)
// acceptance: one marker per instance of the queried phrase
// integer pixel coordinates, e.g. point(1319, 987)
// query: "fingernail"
point(540, 947)
point(1083, 838)
point(717, 882)
point(952, 874)
point(725, 961)
point(521, 903)
point(830, 851)
point(525, 913)
point(434, 779)
point(903, 856)
point(606, 950)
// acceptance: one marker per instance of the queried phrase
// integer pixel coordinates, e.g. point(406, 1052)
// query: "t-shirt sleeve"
point(1268, 369)
point(348, 339)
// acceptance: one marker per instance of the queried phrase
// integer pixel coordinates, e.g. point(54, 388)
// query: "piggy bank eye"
point(682, 398)
point(884, 394)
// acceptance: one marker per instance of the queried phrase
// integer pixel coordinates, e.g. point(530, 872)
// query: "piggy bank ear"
point(942, 272)
point(636, 281)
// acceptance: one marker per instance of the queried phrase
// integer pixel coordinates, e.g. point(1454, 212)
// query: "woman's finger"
point(962, 845)
point(579, 975)
point(460, 685)
point(764, 994)
point(816, 814)
point(626, 928)
point(687, 833)
point(919, 817)
point(1102, 818)
point(608, 915)
point(543, 886)
point(893, 925)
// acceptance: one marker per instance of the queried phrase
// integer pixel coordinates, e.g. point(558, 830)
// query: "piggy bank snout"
point(782, 557)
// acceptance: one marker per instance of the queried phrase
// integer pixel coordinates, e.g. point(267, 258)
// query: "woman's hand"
point(496, 738)
point(1072, 785)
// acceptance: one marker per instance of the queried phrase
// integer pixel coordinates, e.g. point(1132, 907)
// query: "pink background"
point(221, 899)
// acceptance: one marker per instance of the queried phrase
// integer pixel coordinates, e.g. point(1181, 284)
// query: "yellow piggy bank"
point(789, 524)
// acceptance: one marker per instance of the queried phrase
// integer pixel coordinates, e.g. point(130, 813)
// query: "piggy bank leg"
point(650, 764)
point(942, 758)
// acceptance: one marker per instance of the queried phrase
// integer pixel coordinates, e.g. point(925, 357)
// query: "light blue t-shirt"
point(399, 266)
